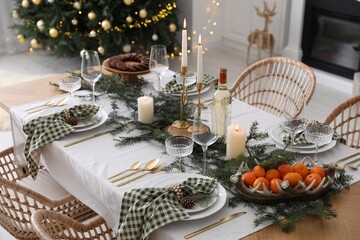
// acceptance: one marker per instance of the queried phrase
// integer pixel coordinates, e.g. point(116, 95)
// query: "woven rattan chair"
point(53, 225)
point(345, 119)
point(266, 84)
point(21, 196)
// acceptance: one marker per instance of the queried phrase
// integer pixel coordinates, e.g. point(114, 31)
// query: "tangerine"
point(311, 177)
point(319, 170)
point(301, 169)
point(259, 171)
point(293, 178)
point(271, 174)
point(261, 181)
point(285, 169)
point(273, 185)
point(248, 178)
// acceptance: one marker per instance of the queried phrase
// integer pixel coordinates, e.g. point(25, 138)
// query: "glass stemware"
point(91, 69)
point(70, 84)
point(294, 123)
point(159, 62)
point(318, 134)
point(179, 146)
point(204, 135)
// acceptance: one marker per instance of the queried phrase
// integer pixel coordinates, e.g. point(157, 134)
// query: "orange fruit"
point(248, 178)
point(311, 177)
point(259, 171)
point(319, 170)
point(293, 178)
point(261, 180)
point(273, 186)
point(271, 174)
point(301, 169)
point(285, 169)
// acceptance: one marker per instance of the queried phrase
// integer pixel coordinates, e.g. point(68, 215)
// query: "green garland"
point(286, 215)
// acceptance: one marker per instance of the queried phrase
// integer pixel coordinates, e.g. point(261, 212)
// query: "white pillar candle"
point(145, 109)
point(199, 70)
point(235, 141)
point(184, 46)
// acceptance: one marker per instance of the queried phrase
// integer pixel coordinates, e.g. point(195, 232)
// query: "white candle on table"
point(199, 70)
point(145, 109)
point(184, 46)
point(235, 141)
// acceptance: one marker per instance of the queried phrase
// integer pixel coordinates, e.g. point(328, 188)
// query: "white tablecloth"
point(82, 170)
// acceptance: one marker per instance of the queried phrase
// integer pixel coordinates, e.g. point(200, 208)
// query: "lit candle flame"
point(184, 25)
point(200, 39)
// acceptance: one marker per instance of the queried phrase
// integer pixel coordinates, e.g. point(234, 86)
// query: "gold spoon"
point(48, 103)
point(58, 104)
point(355, 167)
point(148, 167)
point(156, 170)
point(343, 167)
point(133, 166)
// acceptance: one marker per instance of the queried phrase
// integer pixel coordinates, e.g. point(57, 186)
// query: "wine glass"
point(204, 134)
point(159, 62)
point(318, 134)
point(70, 84)
point(179, 146)
point(91, 69)
point(294, 116)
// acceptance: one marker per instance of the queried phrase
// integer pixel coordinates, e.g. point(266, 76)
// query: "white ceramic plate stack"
point(277, 134)
point(97, 120)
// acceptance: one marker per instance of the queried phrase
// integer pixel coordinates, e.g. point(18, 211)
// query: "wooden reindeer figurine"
point(262, 39)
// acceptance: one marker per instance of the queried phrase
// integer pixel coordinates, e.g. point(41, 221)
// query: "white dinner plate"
point(308, 151)
point(102, 118)
point(191, 92)
point(94, 119)
point(175, 178)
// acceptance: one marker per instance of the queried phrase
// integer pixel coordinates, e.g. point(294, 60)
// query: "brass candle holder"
point(183, 101)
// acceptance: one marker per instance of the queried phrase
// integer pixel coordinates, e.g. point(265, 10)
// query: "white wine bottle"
point(222, 105)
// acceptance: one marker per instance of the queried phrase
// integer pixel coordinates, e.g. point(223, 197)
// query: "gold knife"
point(221, 221)
point(87, 138)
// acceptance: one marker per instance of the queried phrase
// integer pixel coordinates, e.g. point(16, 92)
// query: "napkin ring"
point(185, 201)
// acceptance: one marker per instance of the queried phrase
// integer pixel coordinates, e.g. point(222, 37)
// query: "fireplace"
point(331, 29)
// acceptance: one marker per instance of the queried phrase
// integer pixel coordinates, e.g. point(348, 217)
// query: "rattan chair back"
point(18, 203)
point(53, 225)
point(345, 119)
point(267, 83)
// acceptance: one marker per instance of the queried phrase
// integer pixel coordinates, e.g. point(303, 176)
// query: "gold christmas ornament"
point(154, 37)
point(50, 1)
point(127, 2)
point(101, 50)
point(77, 5)
point(74, 21)
point(25, 4)
point(36, 2)
point(172, 27)
point(143, 13)
point(106, 25)
point(15, 14)
point(91, 15)
point(93, 33)
point(53, 32)
point(34, 43)
point(126, 48)
point(129, 19)
point(40, 24)
point(20, 38)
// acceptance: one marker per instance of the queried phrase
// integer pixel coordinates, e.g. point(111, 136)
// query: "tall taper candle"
point(235, 142)
point(145, 109)
point(199, 70)
point(184, 46)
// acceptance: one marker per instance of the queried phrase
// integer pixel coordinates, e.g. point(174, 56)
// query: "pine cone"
point(72, 121)
point(187, 202)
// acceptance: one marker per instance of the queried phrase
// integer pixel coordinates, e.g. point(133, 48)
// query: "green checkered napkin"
point(174, 87)
point(46, 129)
point(145, 210)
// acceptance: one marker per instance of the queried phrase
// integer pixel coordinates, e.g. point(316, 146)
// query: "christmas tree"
point(65, 27)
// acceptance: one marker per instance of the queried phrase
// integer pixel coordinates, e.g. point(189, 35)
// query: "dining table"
point(83, 169)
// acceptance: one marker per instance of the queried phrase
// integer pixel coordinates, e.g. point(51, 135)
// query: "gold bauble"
point(36, 2)
point(106, 25)
point(50, 1)
point(91, 15)
point(77, 5)
point(53, 32)
point(20, 38)
point(34, 43)
point(74, 21)
point(143, 13)
point(101, 50)
point(15, 14)
point(127, 2)
point(126, 48)
point(25, 4)
point(129, 19)
point(92, 33)
point(172, 27)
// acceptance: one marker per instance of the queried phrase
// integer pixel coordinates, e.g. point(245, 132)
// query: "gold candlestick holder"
point(183, 101)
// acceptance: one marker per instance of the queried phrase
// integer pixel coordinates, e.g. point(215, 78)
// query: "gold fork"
point(156, 170)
